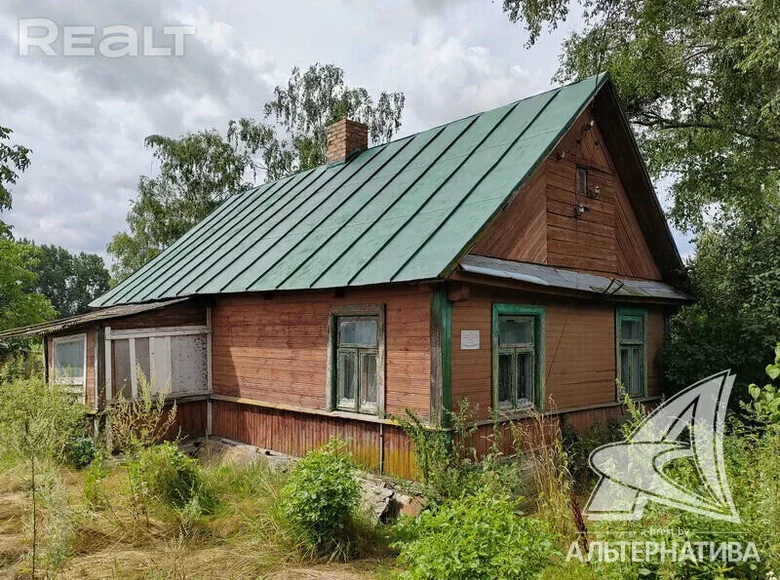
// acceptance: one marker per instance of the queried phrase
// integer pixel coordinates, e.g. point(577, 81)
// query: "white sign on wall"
point(469, 339)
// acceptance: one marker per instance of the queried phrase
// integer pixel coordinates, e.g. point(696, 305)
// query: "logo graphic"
point(687, 427)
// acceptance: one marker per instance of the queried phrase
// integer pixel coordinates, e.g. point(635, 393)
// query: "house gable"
point(541, 224)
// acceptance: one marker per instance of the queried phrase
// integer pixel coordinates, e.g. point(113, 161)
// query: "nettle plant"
point(766, 399)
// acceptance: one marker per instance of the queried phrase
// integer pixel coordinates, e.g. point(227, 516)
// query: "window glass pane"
point(142, 359)
point(637, 370)
point(505, 382)
point(515, 330)
point(120, 364)
point(346, 372)
point(360, 331)
point(525, 377)
point(368, 383)
point(582, 181)
point(69, 361)
point(190, 364)
point(632, 369)
point(631, 329)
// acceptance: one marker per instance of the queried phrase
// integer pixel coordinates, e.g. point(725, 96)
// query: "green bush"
point(163, 473)
point(321, 497)
point(80, 452)
point(38, 420)
point(477, 536)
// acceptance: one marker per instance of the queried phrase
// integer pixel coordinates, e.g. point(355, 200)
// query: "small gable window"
point(517, 356)
point(357, 365)
point(582, 180)
point(632, 351)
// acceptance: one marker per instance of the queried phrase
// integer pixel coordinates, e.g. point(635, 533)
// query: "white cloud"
point(86, 118)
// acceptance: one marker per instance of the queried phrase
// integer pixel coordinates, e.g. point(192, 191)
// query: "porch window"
point(70, 363)
point(517, 356)
point(174, 361)
point(357, 364)
point(631, 342)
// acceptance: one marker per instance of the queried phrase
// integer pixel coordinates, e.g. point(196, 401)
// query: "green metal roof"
point(403, 211)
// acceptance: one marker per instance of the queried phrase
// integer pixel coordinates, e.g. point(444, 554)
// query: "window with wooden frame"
point(518, 356)
point(582, 180)
point(631, 339)
point(70, 363)
point(173, 360)
point(356, 374)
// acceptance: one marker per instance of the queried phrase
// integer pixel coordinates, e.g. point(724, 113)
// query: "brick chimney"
point(345, 137)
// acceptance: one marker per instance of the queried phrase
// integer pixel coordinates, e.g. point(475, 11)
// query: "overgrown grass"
point(153, 512)
point(99, 534)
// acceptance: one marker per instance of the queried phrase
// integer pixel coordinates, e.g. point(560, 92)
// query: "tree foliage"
point(736, 320)
point(200, 170)
point(18, 306)
point(700, 83)
point(310, 102)
point(69, 281)
point(13, 160)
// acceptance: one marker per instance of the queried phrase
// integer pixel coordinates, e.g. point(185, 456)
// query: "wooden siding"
point(191, 420)
point(297, 433)
point(190, 313)
point(540, 225)
point(635, 260)
point(521, 232)
point(275, 350)
point(579, 343)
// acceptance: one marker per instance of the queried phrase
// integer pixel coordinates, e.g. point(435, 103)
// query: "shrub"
point(765, 404)
point(163, 473)
point(80, 452)
point(478, 536)
point(321, 497)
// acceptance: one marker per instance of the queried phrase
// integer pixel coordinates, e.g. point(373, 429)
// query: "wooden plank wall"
point(634, 257)
point(190, 313)
point(579, 345)
point(275, 350)
point(587, 242)
point(297, 433)
point(521, 232)
point(540, 224)
point(191, 420)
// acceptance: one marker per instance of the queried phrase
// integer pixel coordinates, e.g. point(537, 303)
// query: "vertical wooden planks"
point(295, 434)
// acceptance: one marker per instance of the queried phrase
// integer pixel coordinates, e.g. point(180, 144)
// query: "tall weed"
point(141, 422)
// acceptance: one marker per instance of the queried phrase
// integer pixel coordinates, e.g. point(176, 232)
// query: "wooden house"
point(518, 257)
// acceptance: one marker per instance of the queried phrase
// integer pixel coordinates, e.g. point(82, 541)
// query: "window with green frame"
point(631, 329)
point(356, 375)
point(518, 356)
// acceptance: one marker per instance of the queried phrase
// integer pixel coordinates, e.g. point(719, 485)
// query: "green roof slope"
point(403, 211)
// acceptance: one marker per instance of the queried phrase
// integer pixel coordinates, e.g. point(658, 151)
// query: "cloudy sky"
point(85, 118)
